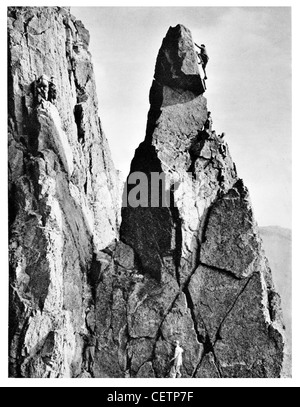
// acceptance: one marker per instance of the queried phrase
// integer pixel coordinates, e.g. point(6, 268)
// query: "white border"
point(158, 383)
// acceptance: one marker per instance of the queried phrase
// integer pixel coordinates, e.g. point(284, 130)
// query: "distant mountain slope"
point(278, 247)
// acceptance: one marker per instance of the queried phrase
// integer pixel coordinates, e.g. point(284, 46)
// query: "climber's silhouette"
point(203, 58)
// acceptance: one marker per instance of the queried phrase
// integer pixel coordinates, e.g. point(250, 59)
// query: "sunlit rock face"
point(63, 191)
point(88, 301)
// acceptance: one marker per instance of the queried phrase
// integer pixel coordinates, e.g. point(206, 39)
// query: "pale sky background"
point(249, 86)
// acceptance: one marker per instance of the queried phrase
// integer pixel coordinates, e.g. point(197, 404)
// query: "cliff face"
point(87, 303)
point(63, 191)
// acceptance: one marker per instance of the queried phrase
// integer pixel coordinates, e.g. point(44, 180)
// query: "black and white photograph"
point(149, 194)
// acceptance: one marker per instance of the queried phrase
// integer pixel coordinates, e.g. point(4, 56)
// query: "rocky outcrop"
point(63, 192)
point(189, 263)
point(222, 307)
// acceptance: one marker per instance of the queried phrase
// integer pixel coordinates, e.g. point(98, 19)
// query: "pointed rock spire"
point(176, 64)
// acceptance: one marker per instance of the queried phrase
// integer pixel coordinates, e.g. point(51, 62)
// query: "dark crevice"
point(208, 348)
point(78, 115)
point(81, 93)
point(13, 205)
point(205, 341)
point(91, 162)
point(193, 315)
point(196, 260)
point(205, 222)
point(195, 150)
point(220, 270)
point(21, 340)
point(33, 128)
point(217, 364)
point(12, 12)
point(178, 240)
point(159, 331)
point(128, 363)
point(94, 275)
point(218, 334)
point(26, 23)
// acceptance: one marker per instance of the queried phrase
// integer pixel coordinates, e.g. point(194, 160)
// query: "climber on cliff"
point(42, 87)
point(52, 93)
point(213, 134)
point(203, 58)
point(222, 147)
point(175, 370)
point(208, 123)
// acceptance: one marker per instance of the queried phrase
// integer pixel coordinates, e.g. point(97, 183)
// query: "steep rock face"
point(85, 304)
point(63, 192)
point(222, 307)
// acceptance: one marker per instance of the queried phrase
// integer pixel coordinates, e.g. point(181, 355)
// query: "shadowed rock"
point(176, 64)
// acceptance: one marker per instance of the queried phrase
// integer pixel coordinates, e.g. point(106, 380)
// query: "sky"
point(248, 86)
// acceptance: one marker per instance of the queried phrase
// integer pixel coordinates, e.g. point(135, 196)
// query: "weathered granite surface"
point(207, 243)
point(194, 271)
point(63, 191)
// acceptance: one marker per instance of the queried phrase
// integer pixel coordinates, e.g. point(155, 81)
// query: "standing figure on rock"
point(203, 57)
point(89, 353)
point(175, 370)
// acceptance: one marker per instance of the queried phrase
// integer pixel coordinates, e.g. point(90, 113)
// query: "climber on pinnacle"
point(208, 123)
point(203, 58)
point(222, 147)
point(213, 134)
point(175, 371)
